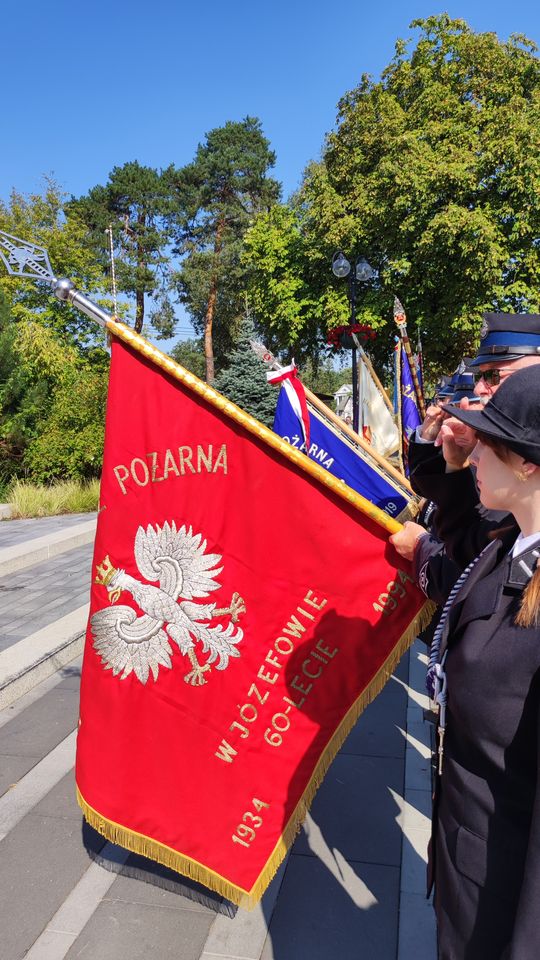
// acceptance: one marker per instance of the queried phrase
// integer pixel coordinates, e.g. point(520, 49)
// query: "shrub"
point(70, 441)
point(31, 500)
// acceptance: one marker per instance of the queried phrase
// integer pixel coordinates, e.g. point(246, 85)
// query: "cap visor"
point(492, 358)
point(477, 420)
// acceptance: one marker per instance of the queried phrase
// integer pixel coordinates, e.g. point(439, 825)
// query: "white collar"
point(524, 543)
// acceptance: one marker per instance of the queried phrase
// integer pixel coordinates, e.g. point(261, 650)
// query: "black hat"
point(508, 336)
point(512, 415)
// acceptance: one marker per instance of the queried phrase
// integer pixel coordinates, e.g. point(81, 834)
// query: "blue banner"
point(338, 457)
point(410, 416)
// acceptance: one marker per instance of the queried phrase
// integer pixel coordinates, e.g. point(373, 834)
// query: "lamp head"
point(340, 265)
point(364, 270)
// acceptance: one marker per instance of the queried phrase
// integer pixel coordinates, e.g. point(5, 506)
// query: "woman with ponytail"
point(485, 675)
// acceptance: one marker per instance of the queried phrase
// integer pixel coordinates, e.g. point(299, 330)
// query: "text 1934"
point(245, 831)
point(388, 601)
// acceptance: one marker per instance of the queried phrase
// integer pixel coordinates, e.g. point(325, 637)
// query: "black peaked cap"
point(507, 336)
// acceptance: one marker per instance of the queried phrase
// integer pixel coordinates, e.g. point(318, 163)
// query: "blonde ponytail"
point(529, 610)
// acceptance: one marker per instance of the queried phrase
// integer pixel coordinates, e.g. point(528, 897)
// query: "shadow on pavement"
point(147, 871)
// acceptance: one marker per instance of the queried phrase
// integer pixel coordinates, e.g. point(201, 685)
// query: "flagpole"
point(369, 365)
point(345, 428)
point(401, 320)
point(397, 375)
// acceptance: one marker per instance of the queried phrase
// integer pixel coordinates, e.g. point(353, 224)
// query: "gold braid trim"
point(138, 843)
point(399, 401)
point(249, 423)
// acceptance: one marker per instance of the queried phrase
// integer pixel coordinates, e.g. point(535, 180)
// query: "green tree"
point(244, 379)
point(52, 404)
point(431, 174)
point(69, 442)
point(133, 203)
point(40, 219)
point(190, 354)
point(11, 387)
point(286, 300)
point(50, 354)
point(214, 200)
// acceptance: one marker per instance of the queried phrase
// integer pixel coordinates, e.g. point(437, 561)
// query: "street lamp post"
point(363, 272)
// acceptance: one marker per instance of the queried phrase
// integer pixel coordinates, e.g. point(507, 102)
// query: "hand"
point(432, 423)
point(405, 540)
point(457, 441)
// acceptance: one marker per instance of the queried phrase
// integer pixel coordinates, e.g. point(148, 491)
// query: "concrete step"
point(26, 663)
point(43, 616)
point(29, 528)
point(23, 554)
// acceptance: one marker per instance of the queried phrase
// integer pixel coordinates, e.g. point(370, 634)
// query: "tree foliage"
point(52, 406)
point(133, 203)
point(431, 174)
point(214, 199)
point(69, 442)
point(283, 292)
point(40, 219)
point(190, 354)
point(244, 379)
point(53, 365)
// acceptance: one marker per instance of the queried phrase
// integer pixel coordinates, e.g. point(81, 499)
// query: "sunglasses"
point(491, 377)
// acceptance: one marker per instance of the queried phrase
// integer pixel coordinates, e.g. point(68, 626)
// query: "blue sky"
point(90, 86)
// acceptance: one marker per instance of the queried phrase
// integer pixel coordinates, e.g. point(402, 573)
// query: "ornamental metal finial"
point(265, 355)
point(399, 310)
point(25, 259)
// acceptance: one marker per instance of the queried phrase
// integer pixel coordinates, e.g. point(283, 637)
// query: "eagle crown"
point(105, 572)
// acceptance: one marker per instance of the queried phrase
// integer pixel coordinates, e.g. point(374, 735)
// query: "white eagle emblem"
point(130, 643)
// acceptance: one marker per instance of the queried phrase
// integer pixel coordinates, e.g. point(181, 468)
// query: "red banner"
point(242, 615)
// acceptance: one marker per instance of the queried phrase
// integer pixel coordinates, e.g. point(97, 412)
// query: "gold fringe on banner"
point(138, 843)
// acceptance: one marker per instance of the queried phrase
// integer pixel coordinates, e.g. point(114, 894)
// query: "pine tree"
point(214, 200)
point(133, 202)
point(244, 379)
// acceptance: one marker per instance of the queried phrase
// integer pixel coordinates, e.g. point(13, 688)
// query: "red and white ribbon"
point(288, 377)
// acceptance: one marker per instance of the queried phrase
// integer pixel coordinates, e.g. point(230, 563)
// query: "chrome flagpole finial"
point(24, 259)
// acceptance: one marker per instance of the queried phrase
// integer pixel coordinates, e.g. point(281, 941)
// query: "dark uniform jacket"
point(434, 572)
point(486, 840)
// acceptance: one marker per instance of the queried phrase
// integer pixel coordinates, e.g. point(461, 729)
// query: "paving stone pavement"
point(19, 531)
point(340, 895)
point(43, 858)
point(36, 596)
